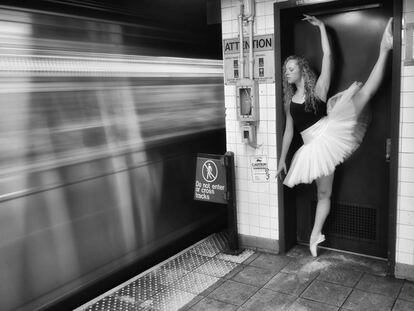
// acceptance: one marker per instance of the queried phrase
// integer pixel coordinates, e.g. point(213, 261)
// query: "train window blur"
point(61, 106)
point(100, 123)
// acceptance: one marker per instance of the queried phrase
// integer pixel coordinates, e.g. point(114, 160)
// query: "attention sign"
point(260, 43)
point(210, 183)
point(263, 59)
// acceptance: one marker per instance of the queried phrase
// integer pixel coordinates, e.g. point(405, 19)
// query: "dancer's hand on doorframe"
point(312, 20)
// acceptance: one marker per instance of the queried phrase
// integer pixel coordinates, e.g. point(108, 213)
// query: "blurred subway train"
point(101, 117)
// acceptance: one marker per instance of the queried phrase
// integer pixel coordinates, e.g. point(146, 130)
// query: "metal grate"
point(351, 221)
point(175, 283)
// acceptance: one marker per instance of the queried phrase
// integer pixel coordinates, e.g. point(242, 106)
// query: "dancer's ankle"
point(314, 237)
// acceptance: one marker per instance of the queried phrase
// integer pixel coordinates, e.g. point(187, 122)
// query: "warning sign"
point(210, 183)
point(260, 169)
point(263, 59)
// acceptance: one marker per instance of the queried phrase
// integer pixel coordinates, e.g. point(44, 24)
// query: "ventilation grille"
point(351, 221)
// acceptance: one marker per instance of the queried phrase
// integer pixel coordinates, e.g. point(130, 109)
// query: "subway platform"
point(203, 277)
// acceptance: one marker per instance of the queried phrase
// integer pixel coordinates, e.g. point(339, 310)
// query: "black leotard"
point(303, 119)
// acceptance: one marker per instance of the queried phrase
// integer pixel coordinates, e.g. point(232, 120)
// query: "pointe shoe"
point(313, 246)
point(387, 38)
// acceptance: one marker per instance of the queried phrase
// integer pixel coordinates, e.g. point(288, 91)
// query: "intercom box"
point(247, 99)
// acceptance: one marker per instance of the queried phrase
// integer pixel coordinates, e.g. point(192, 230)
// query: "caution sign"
point(210, 183)
point(260, 169)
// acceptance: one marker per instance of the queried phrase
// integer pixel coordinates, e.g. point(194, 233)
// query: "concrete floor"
point(204, 278)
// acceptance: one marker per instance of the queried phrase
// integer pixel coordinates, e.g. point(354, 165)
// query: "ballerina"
point(331, 129)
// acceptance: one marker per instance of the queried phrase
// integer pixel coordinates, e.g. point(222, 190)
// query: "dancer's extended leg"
point(368, 90)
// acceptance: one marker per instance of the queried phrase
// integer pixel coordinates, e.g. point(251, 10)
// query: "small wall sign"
point(409, 33)
point(260, 169)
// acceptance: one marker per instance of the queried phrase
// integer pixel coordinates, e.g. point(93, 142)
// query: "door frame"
point(287, 219)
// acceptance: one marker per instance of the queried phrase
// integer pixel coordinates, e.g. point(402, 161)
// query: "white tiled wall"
point(257, 203)
point(405, 209)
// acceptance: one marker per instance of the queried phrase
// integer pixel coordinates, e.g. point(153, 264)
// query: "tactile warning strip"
point(188, 261)
point(168, 274)
point(212, 245)
point(238, 259)
point(195, 283)
point(216, 267)
point(175, 282)
point(111, 303)
point(171, 299)
point(143, 288)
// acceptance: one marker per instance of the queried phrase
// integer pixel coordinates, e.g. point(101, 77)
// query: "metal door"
point(358, 219)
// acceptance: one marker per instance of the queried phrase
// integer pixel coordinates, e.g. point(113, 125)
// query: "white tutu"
point(330, 141)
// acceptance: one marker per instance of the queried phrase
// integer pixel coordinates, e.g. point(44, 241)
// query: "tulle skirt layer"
point(330, 141)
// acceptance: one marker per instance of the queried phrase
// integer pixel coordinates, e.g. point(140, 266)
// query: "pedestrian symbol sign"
point(209, 171)
point(210, 183)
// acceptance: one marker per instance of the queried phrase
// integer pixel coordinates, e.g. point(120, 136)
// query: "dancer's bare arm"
point(287, 140)
point(324, 80)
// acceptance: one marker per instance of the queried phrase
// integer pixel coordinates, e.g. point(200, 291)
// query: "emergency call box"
point(247, 100)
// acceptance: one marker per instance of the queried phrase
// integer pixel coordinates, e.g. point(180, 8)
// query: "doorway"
point(359, 217)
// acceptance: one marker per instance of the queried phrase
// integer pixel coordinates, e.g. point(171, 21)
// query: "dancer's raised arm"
point(324, 80)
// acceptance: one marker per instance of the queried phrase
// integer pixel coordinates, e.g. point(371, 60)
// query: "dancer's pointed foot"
point(387, 38)
point(313, 245)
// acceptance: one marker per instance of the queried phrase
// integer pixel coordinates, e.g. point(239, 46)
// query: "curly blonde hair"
point(310, 82)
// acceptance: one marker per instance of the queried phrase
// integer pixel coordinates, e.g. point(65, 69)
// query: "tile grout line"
point(218, 278)
point(225, 279)
point(323, 303)
point(353, 288)
point(371, 292)
point(231, 279)
point(190, 250)
point(193, 270)
point(247, 298)
point(310, 283)
point(399, 292)
point(310, 299)
point(263, 287)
